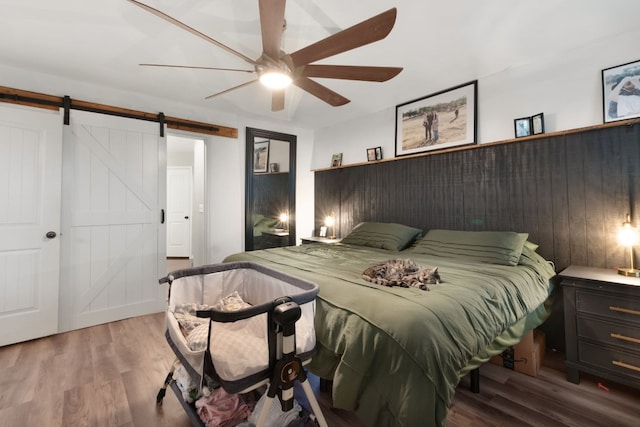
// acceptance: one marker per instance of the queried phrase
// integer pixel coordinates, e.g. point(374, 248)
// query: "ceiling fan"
point(283, 68)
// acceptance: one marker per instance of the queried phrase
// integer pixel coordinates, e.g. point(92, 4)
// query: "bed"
point(395, 355)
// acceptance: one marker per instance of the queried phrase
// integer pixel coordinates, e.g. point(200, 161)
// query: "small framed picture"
point(323, 231)
point(378, 153)
point(522, 127)
point(260, 156)
point(273, 168)
point(336, 160)
point(537, 124)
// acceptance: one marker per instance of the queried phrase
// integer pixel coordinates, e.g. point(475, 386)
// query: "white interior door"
point(179, 202)
point(114, 249)
point(30, 174)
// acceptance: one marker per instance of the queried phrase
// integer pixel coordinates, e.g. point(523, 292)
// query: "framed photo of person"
point(621, 92)
point(336, 160)
point(441, 120)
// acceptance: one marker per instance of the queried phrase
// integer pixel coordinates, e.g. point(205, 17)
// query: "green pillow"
point(256, 218)
point(492, 247)
point(382, 235)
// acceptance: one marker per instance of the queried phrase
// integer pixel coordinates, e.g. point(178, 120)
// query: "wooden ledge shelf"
point(629, 122)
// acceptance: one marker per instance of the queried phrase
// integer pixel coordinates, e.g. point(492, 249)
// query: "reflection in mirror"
point(270, 190)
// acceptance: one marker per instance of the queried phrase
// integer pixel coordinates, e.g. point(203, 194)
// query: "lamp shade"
point(628, 234)
point(628, 237)
point(329, 221)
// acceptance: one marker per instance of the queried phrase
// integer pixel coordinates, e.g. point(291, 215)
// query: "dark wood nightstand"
point(316, 239)
point(602, 324)
point(275, 239)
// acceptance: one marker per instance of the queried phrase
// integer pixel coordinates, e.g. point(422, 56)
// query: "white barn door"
point(114, 243)
point(179, 199)
point(30, 170)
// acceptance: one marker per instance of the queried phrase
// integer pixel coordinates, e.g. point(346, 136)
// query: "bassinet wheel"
point(163, 391)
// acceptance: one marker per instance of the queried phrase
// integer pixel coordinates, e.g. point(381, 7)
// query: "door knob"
point(186, 217)
point(50, 234)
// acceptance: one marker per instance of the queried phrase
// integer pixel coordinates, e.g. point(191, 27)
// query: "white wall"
point(226, 181)
point(567, 89)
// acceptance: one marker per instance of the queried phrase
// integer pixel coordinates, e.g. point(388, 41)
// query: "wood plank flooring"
point(109, 375)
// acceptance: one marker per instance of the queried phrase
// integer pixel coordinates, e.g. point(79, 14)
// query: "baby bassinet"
point(242, 343)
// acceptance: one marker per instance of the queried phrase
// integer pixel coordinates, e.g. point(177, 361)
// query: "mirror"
point(270, 189)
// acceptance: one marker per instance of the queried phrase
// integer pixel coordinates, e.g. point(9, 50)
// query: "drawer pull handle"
point(625, 338)
point(625, 365)
point(624, 310)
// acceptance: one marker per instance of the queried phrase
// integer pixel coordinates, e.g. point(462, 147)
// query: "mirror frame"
point(251, 135)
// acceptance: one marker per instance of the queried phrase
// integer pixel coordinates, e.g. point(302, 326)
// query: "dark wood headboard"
point(569, 191)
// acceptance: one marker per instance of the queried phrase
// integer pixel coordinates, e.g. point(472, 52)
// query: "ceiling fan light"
point(275, 79)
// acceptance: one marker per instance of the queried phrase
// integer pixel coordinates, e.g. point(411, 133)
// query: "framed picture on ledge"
point(374, 154)
point(371, 154)
point(621, 92)
point(537, 124)
point(336, 160)
point(522, 127)
point(441, 120)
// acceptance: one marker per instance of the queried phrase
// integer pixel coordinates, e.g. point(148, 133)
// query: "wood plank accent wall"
point(271, 194)
point(569, 191)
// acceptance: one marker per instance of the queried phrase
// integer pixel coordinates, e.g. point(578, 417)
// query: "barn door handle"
point(186, 217)
point(161, 216)
point(50, 234)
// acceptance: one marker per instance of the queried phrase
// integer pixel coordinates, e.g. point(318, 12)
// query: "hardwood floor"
point(177, 264)
point(509, 398)
point(109, 375)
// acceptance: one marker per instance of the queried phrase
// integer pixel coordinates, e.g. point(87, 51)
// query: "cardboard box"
point(525, 357)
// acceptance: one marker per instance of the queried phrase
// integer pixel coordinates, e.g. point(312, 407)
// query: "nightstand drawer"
point(610, 333)
point(616, 361)
point(619, 309)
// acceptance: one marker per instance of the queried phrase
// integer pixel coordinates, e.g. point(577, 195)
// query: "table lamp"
point(284, 221)
point(330, 223)
point(628, 236)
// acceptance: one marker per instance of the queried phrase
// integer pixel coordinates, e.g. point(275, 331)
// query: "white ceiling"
point(439, 44)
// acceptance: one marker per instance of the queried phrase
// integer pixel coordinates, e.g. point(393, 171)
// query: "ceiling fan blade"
point(369, 31)
point(320, 91)
point(197, 68)
point(272, 25)
point(277, 100)
point(233, 88)
point(351, 72)
point(191, 30)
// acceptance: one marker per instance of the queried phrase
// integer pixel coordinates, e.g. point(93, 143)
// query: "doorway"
point(179, 195)
point(185, 201)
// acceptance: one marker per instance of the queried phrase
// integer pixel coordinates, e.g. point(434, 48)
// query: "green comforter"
point(396, 355)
